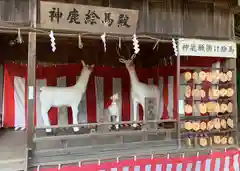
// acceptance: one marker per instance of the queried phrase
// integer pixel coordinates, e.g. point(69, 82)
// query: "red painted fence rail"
point(218, 161)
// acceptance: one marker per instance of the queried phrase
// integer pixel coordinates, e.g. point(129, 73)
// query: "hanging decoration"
point(171, 60)
point(135, 44)
point(165, 61)
point(19, 37)
point(80, 44)
point(174, 43)
point(52, 39)
point(103, 37)
point(119, 43)
point(156, 45)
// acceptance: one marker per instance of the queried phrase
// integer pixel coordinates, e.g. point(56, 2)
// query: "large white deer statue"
point(139, 90)
point(65, 96)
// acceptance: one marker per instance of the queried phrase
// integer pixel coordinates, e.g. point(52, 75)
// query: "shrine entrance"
point(76, 96)
point(62, 68)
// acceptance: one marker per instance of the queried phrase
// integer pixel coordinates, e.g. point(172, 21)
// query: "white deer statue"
point(65, 96)
point(139, 90)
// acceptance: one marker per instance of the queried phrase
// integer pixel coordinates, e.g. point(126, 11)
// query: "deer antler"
point(117, 49)
point(121, 59)
point(83, 63)
point(133, 56)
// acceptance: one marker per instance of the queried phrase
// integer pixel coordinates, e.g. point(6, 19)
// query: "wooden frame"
point(228, 65)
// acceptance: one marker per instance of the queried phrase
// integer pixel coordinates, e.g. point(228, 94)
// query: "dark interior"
point(92, 51)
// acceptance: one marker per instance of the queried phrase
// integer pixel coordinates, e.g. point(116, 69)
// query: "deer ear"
point(92, 66)
point(83, 63)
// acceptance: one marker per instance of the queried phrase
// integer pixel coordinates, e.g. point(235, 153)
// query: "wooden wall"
point(188, 18)
point(14, 10)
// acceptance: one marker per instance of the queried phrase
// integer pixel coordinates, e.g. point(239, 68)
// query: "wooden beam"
point(235, 9)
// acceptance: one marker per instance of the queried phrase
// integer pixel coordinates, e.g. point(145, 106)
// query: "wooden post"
point(31, 87)
point(231, 63)
point(1, 92)
point(31, 73)
point(178, 95)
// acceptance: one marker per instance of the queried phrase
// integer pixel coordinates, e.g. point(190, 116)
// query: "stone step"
point(12, 165)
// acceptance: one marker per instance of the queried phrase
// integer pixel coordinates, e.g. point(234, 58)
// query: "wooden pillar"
point(31, 87)
point(1, 93)
point(231, 63)
point(178, 127)
point(31, 73)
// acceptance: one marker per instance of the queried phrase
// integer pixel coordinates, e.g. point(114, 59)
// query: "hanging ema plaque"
point(83, 18)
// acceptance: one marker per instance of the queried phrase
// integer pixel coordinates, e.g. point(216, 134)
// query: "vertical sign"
point(150, 111)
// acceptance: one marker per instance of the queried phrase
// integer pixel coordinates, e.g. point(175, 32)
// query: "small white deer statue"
point(114, 110)
point(139, 90)
point(65, 96)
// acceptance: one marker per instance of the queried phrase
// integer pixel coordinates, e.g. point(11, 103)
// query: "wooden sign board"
point(150, 111)
point(83, 18)
point(208, 48)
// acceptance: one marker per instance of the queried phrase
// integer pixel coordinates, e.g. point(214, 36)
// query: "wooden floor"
point(12, 151)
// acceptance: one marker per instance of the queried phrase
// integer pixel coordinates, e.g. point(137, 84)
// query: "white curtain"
point(39, 83)
point(99, 83)
point(82, 109)
point(19, 100)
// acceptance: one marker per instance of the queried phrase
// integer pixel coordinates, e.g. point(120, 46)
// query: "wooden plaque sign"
point(213, 48)
point(150, 110)
point(86, 18)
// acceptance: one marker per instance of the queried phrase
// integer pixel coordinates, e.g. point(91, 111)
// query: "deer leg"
point(75, 117)
point(44, 113)
point(157, 114)
point(144, 114)
point(117, 120)
point(135, 113)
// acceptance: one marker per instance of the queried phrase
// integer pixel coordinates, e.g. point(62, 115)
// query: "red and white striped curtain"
point(224, 161)
point(103, 83)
